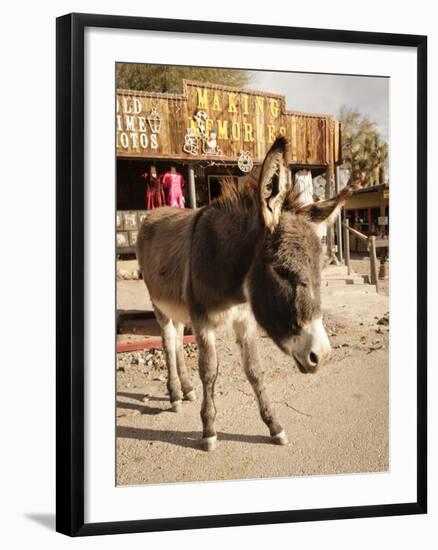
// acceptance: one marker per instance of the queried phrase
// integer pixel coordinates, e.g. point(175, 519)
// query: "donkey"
point(251, 257)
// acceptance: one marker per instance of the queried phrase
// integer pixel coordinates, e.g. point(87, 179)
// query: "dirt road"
point(336, 420)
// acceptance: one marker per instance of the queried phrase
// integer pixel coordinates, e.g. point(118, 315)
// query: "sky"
point(320, 93)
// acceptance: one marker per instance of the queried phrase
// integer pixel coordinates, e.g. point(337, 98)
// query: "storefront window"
point(375, 212)
point(362, 221)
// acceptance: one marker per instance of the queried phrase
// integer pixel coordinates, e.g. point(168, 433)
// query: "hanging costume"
point(154, 191)
point(304, 187)
point(173, 183)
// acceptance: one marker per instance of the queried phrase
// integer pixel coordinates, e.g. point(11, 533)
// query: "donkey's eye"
point(283, 273)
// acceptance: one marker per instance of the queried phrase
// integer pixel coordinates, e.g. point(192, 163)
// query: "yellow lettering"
point(235, 131)
point(142, 124)
point(274, 108)
point(202, 98)
point(208, 125)
point(216, 102)
point(260, 132)
point(193, 124)
point(134, 140)
point(259, 105)
point(282, 130)
point(231, 102)
point(119, 123)
point(222, 129)
point(144, 140)
point(126, 107)
point(271, 133)
point(129, 122)
point(247, 132)
point(245, 104)
point(137, 106)
point(124, 140)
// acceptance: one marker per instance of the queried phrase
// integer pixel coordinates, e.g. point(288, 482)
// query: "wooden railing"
point(372, 249)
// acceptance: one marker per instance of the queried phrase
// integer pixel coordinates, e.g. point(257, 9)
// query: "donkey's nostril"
point(313, 358)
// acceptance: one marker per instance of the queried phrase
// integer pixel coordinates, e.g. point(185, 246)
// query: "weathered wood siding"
point(244, 121)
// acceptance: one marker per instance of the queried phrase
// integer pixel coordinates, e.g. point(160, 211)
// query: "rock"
point(384, 320)
point(375, 348)
point(123, 274)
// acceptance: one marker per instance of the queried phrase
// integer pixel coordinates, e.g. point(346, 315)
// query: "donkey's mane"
point(231, 197)
point(246, 198)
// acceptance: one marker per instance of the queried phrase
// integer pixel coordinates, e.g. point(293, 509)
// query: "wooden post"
point(330, 236)
point(192, 189)
point(373, 263)
point(339, 218)
point(290, 179)
point(347, 245)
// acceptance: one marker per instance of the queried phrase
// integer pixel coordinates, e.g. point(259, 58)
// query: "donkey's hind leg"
point(208, 370)
point(245, 328)
point(169, 336)
point(187, 387)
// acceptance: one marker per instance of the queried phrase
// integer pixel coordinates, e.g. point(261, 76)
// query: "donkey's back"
point(163, 251)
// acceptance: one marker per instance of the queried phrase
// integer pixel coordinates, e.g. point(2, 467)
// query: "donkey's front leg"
point(208, 369)
point(245, 329)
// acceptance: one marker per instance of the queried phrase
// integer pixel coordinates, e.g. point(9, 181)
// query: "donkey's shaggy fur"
point(252, 255)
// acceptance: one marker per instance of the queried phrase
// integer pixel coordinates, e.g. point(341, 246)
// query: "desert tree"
point(364, 152)
point(168, 78)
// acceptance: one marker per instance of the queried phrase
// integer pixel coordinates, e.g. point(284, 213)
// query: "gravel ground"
point(336, 420)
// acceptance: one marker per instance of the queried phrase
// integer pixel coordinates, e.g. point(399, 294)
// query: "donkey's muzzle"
point(312, 347)
point(311, 364)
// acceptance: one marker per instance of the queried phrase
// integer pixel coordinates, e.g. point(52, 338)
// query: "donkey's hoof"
point(280, 439)
point(176, 406)
point(209, 443)
point(190, 396)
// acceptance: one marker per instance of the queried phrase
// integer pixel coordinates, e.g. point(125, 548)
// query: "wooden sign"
point(218, 122)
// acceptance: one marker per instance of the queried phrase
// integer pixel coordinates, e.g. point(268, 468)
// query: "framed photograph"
point(249, 204)
point(119, 221)
point(130, 220)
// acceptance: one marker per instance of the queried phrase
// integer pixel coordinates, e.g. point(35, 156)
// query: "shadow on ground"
point(184, 439)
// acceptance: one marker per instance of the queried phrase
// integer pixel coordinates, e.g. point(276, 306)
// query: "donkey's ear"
point(273, 184)
point(326, 211)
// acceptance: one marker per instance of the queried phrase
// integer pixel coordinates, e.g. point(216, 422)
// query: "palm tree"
point(365, 154)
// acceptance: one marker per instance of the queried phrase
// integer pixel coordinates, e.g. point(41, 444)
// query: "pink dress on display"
point(174, 184)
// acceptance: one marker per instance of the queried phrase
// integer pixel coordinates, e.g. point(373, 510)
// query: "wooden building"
point(367, 211)
point(207, 132)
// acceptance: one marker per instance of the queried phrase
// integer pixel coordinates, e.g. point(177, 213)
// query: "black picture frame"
point(70, 273)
